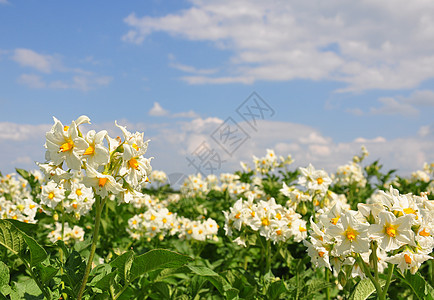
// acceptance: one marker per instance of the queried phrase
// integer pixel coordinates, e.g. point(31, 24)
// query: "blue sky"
point(338, 74)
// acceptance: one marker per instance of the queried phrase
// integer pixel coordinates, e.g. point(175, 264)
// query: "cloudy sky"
point(319, 78)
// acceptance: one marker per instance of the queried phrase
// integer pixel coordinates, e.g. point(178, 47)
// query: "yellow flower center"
point(75, 205)
point(391, 231)
point(32, 206)
point(135, 147)
point(335, 220)
point(200, 231)
point(351, 234)
point(253, 214)
point(321, 254)
point(265, 221)
point(51, 195)
point(190, 231)
point(133, 163)
point(164, 220)
point(302, 229)
point(66, 146)
point(65, 128)
point(279, 232)
point(102, 181)
point(424, 232)
point(238, 215)
point(78, 192)
point(278, 216)
point(409, 211)
point(320, 180)
point(407, 258)
point(89, 151)
point(152, 217)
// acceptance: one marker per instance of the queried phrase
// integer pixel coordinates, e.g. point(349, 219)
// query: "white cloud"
point(32, 80)
point(425, 130)
point(390, 106)
point(403, 105)
point(83, 80)
point(191, 69)
point(366, 44)
point(29, 58)
point(157, 110)
point(420, 98)
point(82, 83)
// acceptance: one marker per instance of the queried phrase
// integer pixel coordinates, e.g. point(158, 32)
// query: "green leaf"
point(46, 272)
point(275, 290)
point(219, 282)
point(364, 289)
point(419, 286)
point(23, 173)
point(202, 271)
point(74, 271)
point(157, 259)
point(105, 282)
point(27, 228)
point(11, 238)
point(37, 253)
point(4, 275)
point(17, 241)
point(123, 264)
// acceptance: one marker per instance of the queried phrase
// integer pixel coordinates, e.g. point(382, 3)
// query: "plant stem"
point(99, 206)
point(368, 273)
point(40, 285)
point(375, 259)
point(388, 280)
point(268, 257)
point(327, 277)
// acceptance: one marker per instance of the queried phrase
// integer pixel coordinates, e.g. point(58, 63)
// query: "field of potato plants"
point(96, 222)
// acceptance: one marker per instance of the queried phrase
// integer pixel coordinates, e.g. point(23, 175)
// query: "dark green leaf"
point(4, 275)
point(157, 259)
point(123, 264)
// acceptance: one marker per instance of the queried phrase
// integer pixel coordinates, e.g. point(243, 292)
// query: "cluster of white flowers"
point(160, 222)
point(265, 164)
point(314, 181)
point(15, 200)
point(106, 165)
point(269, 162)
point(195, 186)
point(158, 176)
point(399, 228)
point(314, 187)
point(69, 234)
point(349, 174)
point(270, 220)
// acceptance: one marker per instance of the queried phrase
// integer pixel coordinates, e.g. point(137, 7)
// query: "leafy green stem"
point(99, 207)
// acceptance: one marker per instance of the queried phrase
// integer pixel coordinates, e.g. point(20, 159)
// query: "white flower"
point(96, 153)
point(103, 184)
point(391, 232)
point(350, 235)
point(52, 194)
point(314, 180)
point(318, 255)
point(64, 144)
point(408, 260)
